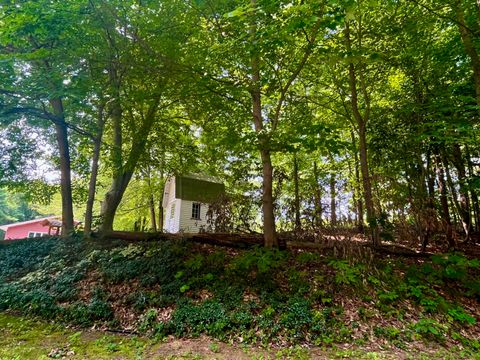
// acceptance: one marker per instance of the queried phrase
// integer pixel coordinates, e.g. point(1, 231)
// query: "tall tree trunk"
point(333, 203)
point(151, 201)
point(122, 177)
point(367, 187)
point(464, 201)
point(317, 197)
point(473, 194)
point(65, 167)
point(160, 214)
point(112, 200)
point(361, 124)
point(357, 190)
point(453, 191)
point(269, 231)
point(298, 224)
point(153, 218)
point(430, 213)
point(94, 171)
point(444, 200)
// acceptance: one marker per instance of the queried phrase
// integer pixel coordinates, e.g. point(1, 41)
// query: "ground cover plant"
point(255, 296)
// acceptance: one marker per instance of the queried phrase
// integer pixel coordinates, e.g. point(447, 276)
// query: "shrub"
point(190, 319)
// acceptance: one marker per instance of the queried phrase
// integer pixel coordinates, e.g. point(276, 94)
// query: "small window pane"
point(196, 211)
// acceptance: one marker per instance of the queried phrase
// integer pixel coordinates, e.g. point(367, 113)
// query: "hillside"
point(255, 297)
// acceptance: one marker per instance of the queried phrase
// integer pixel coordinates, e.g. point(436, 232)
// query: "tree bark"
point(153, 219)
point(269, 231)
point(361, 121)
point(270, 235)
point(317, 197)
point(444, 200)
point(453, 191)
point(473, 193)
point(298, 224)
point(464, 200)
point(160, 214)
point(357, 191)
point(122, 177)
point(333, 204)
point(427, 186)
point(94, 171)
point(112, 200)
point(65, 167)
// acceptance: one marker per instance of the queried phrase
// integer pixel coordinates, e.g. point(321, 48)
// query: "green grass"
point(23, 338)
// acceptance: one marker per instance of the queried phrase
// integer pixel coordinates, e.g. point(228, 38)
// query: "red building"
point(31, 228)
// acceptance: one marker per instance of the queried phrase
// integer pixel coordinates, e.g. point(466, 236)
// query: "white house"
point(186, 199)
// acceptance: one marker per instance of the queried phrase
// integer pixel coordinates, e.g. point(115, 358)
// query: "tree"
point(39, 43)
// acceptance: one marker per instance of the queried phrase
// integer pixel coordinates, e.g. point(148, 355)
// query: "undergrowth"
point(253, 296)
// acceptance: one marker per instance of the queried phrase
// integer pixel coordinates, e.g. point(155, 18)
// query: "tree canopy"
point(354, 113)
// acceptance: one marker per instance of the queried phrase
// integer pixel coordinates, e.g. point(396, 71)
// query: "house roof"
point(200, 188)
point(5, 227)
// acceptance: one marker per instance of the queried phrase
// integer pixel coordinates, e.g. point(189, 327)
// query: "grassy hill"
point(252, 296)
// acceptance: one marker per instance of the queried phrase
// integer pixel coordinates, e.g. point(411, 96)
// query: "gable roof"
point(5, 227)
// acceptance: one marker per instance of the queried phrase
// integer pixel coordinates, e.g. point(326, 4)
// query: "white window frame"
point(35, 234)
point(194, 210)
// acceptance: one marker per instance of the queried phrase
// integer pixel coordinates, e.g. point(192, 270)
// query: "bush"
point(209, 317)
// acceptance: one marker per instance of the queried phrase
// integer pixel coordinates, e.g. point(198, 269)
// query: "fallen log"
point(222, 239)
point(246, 241)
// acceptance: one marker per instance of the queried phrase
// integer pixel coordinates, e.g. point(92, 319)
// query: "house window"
point(172, 211)
point(33, 234)
point(196, 211)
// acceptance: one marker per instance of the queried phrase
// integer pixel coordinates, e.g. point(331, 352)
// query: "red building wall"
point(21, 231)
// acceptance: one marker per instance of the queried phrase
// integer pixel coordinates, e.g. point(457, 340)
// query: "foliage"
point(257, 295)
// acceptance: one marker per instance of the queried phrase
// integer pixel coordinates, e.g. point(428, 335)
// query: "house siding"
point(189, 225)
point(170, 224)
point(21, 231)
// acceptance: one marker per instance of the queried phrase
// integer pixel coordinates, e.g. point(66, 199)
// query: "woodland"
point(321, 113)
point(345, 131)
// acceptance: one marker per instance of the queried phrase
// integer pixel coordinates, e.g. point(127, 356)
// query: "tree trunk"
point(269, 231)
point(160, 214)
point(65, 167)
point(367, 187)
point(473, 193)
point(317, 197)
point(444, 200)
point(428, 187)
point(453, 191)
point(112, 200)
point(464, 200)
point(361, 124)
point(298, 224)
point(122, 178)
point(93, 176)
point(357, 191)
point(153, 219)
point(333, 204)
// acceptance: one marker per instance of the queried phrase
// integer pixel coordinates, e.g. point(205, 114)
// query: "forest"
point(345, 132)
